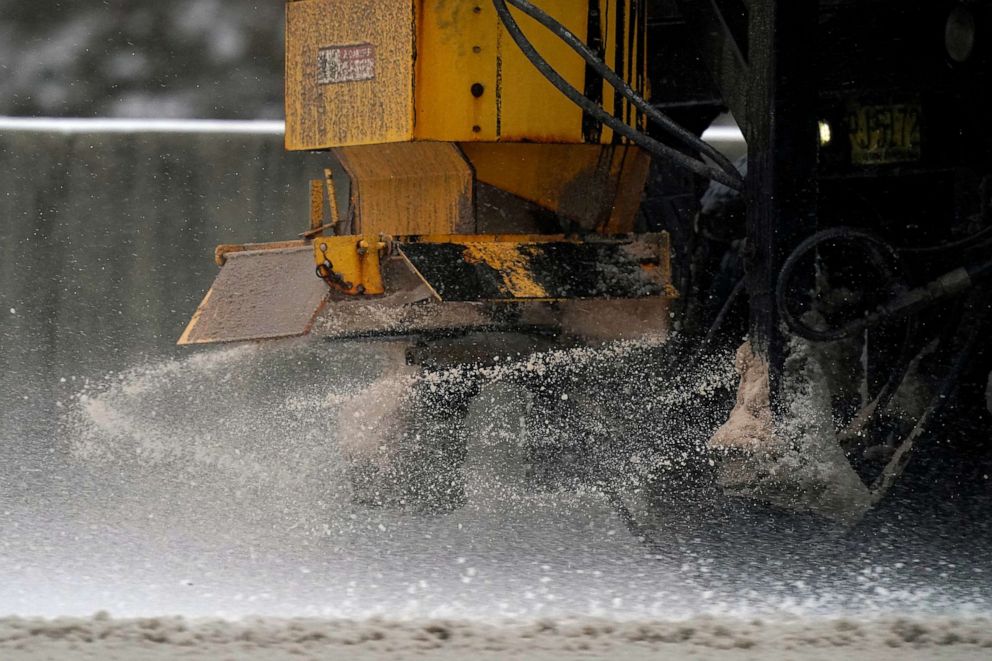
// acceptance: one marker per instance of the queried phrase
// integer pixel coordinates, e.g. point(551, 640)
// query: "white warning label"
point(345, 64)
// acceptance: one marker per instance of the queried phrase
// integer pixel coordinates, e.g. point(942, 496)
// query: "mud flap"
point(259, 294)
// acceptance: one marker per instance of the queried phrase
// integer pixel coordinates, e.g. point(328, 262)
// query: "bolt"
point(478, 89)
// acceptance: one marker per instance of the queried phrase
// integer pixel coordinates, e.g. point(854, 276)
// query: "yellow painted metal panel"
point(349, 72)
point(456, 71)
point(531, 108)
point(474, 84)
point(609, 47)
point(374, 71)
point(597, 187)
point(632, 179)
point(409, 188)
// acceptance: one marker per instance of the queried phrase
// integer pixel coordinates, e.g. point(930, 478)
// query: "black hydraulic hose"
point(952, 283)
point(597, 112)
point(905, 304)
point(964, 243)
point(621, 86)
point(980, 270)
point(881, 252)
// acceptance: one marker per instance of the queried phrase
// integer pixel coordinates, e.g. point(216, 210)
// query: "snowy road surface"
point(206, 487)
point(208, 484)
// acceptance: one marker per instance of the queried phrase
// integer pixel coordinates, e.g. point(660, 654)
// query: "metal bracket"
point(351, 264)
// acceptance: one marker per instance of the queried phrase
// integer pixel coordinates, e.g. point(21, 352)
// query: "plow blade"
point(466, 269)
point(423, 283)
point(259, 294)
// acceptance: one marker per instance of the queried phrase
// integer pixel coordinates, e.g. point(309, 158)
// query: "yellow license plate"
point(884, 134)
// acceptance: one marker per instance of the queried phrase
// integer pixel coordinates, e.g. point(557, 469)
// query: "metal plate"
point(345, 64)
point(596, 187)
point(367, 72)
point(553, 270)
point(885, 134)
point(259, 294)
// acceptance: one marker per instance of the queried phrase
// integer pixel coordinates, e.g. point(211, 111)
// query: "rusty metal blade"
point(259, 294)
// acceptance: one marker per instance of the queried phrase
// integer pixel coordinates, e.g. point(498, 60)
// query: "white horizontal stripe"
point(723, 134)
point(263, 127)
point(112, 125)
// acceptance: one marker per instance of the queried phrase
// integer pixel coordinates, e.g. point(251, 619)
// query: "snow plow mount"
point(266, 291)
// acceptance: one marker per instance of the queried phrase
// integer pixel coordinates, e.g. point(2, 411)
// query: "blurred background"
point(107, 233)
point(141, 58)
